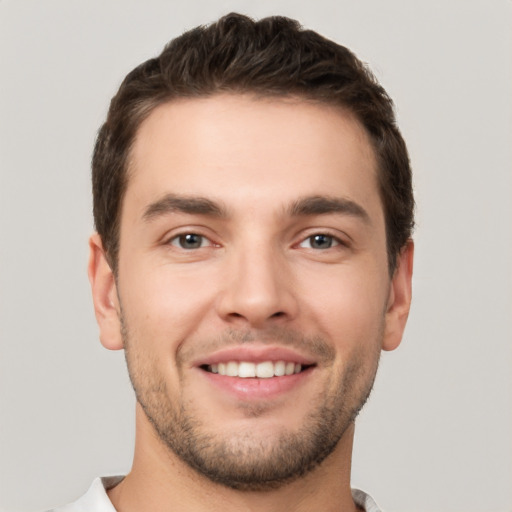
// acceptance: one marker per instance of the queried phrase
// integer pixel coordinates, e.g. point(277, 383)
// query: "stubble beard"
point(241, 460)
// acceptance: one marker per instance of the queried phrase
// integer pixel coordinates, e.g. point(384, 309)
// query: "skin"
point(257, 280)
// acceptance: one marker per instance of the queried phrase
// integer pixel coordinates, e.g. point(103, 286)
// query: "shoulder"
point(95, 499)
point(365, 501)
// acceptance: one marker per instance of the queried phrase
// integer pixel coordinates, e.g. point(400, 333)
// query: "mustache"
point(313, 346)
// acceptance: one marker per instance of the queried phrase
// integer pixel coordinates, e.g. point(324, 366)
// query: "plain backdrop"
point(436, 435)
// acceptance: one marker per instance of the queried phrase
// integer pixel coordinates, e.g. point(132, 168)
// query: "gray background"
point(437, 433)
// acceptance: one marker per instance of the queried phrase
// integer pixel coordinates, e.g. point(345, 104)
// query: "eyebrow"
point(306, 206)
point(322, 205)
point(171, 203)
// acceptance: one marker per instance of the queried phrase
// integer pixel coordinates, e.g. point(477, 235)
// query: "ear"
point(104, 295)
point(399, 301)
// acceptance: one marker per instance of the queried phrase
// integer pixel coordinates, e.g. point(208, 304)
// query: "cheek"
point(347, 305)
point(163, 306)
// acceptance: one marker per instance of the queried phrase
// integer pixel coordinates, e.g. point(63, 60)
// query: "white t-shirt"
point(97, 500)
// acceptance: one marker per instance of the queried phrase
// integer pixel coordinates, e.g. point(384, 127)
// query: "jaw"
point(172, 480)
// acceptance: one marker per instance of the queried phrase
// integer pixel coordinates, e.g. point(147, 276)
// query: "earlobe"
point(104, 295)
point(399, 301)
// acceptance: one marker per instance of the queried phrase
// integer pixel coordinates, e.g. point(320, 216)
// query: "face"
point(253, 296)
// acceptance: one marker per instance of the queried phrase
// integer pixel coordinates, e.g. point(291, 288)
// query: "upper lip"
point(254, 354)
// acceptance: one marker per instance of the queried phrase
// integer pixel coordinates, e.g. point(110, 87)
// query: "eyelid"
point(335, 242)
point(176, 233)
point(341, 239)
point(177, 238)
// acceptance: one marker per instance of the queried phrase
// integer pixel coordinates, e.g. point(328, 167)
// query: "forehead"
point(243, 150)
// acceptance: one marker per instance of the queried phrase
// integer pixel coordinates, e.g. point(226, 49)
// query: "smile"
point(261, 370)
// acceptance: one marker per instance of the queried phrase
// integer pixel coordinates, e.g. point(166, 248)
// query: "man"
point(254, 208)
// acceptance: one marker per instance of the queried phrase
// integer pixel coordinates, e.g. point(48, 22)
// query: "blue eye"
point(189, 241)
point(319, 241)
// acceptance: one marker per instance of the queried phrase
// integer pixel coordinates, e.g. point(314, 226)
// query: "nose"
point(258, 289)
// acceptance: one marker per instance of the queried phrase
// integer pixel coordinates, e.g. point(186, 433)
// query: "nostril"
point(278, 314)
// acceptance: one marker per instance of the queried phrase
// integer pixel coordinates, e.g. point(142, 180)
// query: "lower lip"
point(254, 388)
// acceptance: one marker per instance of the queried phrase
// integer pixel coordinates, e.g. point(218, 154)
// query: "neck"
point(159, 481)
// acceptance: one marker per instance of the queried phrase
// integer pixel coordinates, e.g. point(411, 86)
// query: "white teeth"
point(289, 369)
point(232, 369)
point(279, 368)
point(263, 370)
point(246, 370)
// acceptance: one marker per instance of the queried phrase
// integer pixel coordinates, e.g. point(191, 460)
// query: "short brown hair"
point(271, 57)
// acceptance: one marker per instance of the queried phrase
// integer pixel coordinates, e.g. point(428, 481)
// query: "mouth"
point(253, 370)
point(255, 373)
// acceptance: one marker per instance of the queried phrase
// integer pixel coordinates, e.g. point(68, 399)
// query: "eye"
point(319, 241)
point(190, 241)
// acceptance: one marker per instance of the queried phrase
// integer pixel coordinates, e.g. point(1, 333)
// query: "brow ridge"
point(322, 205)
point(305, 206)
point(171, 203)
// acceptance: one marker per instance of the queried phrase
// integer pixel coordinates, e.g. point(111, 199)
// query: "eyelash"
point(178, 241)
point(333, 241)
